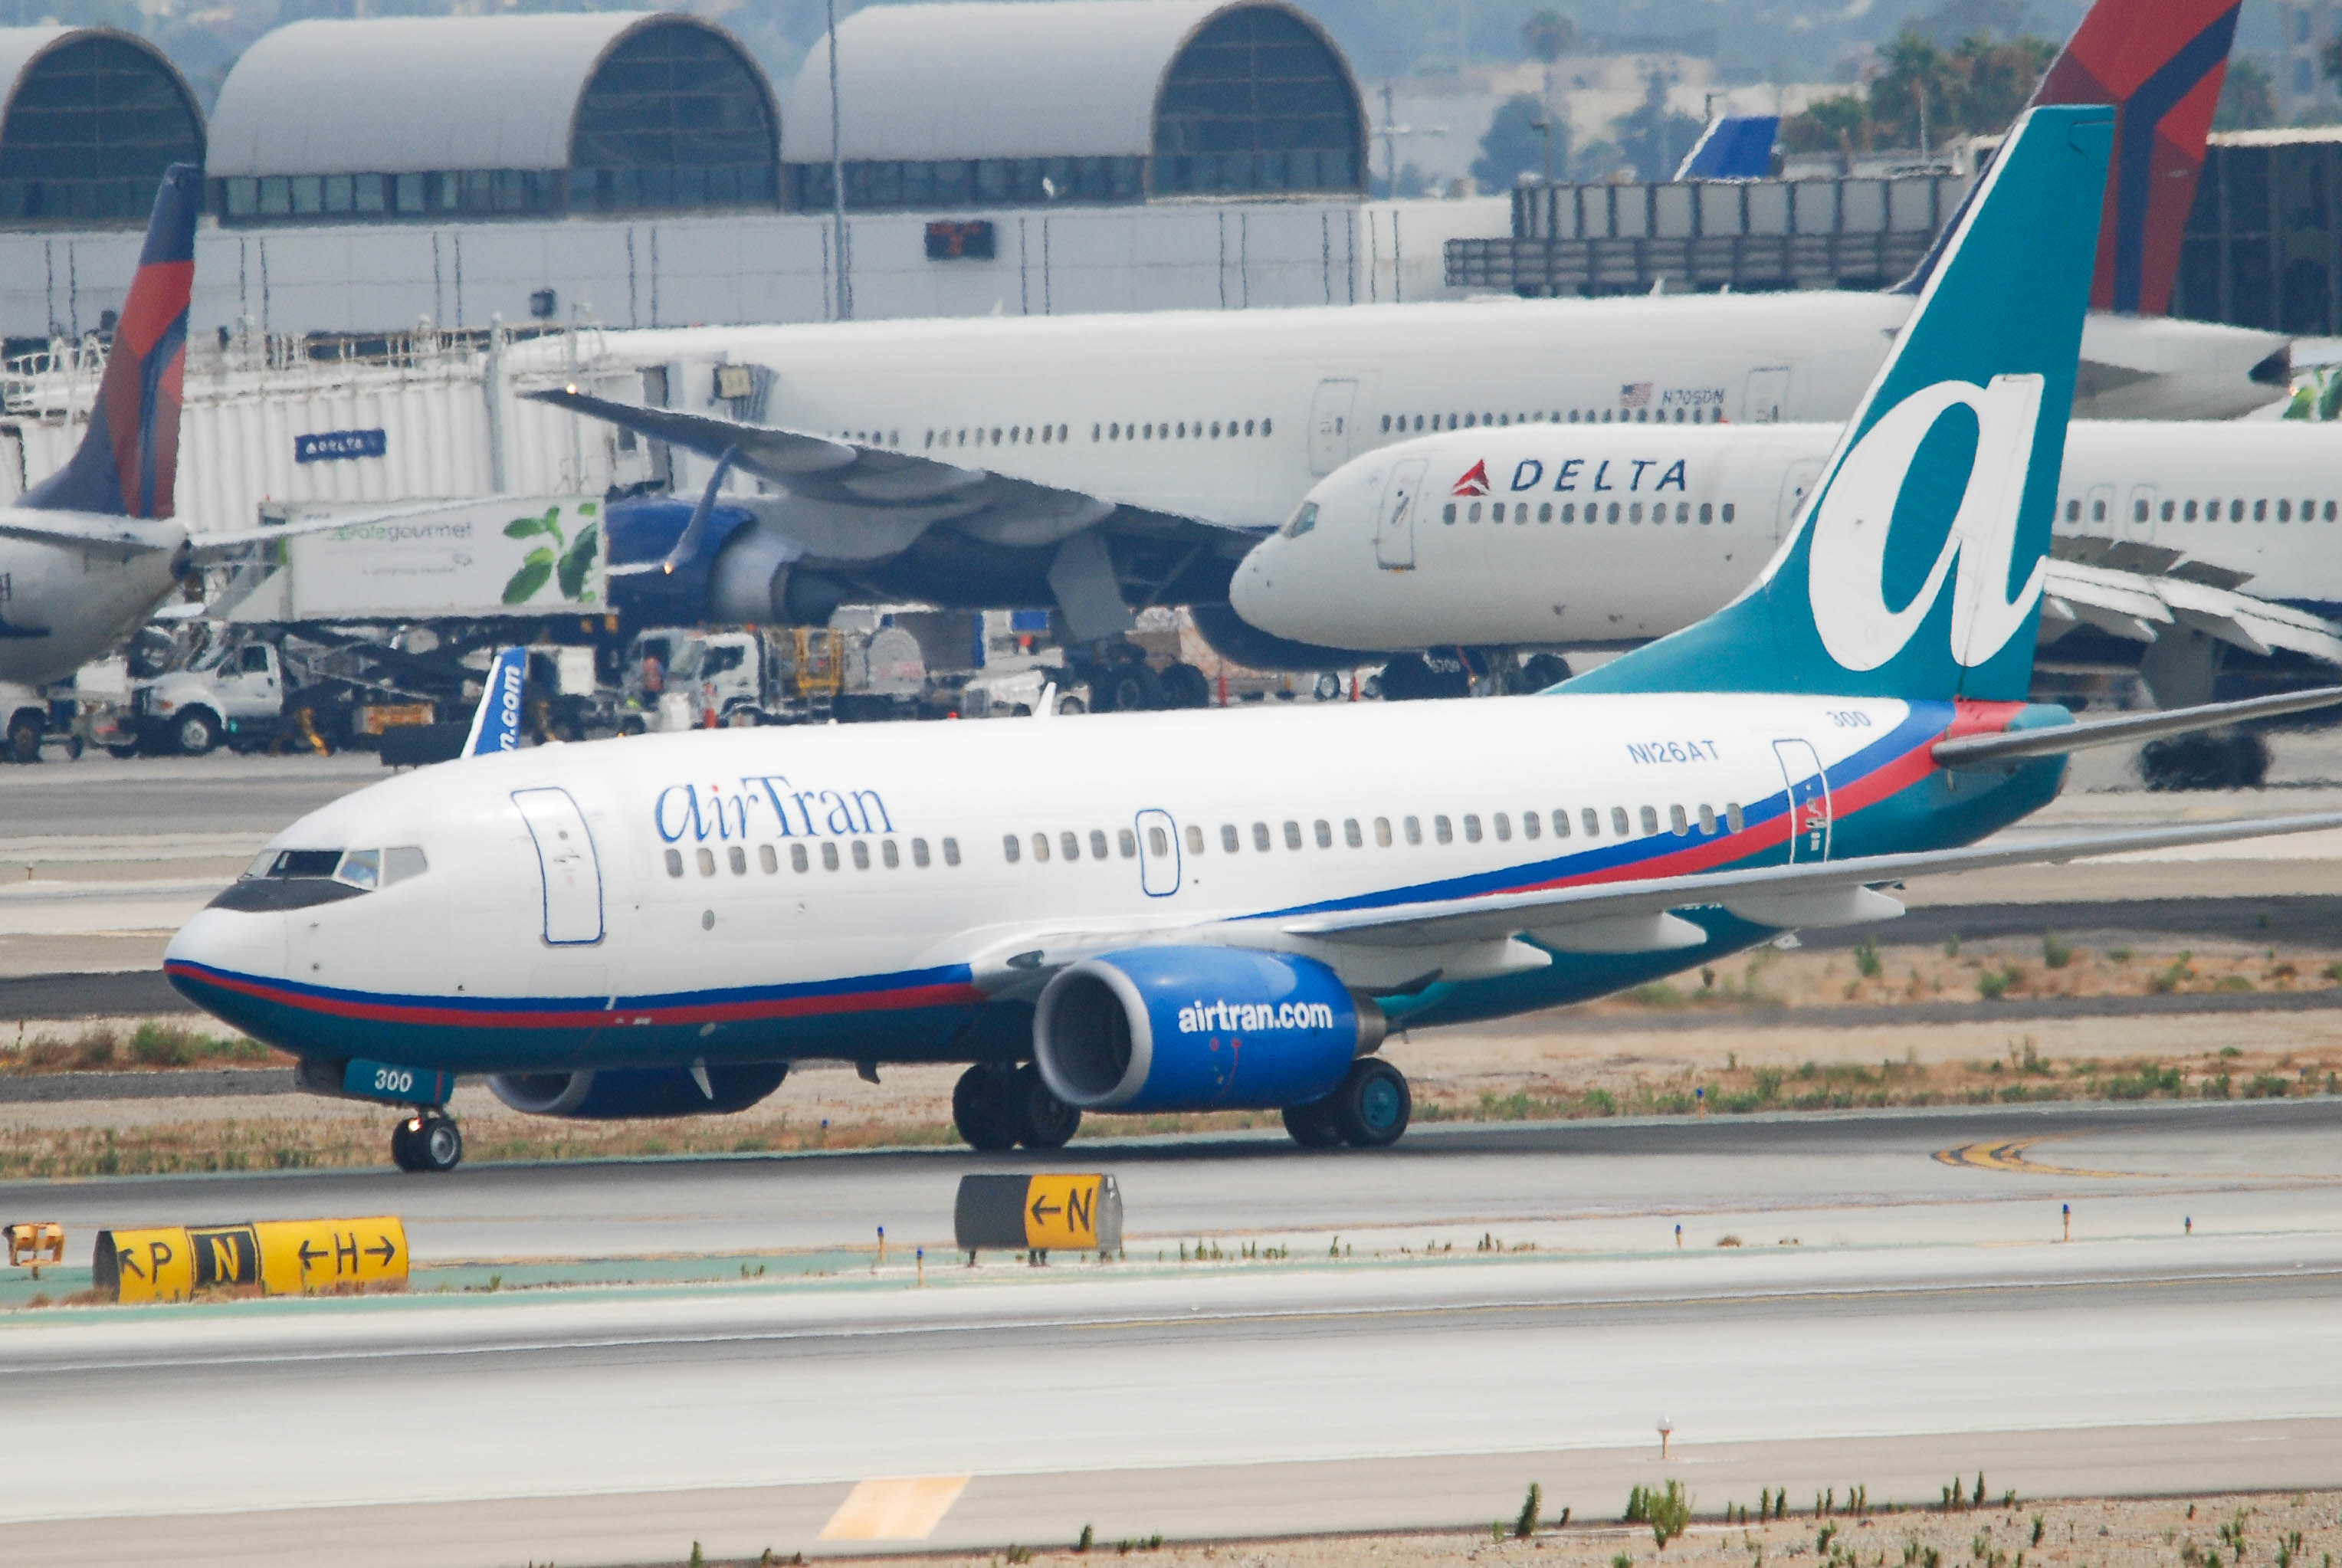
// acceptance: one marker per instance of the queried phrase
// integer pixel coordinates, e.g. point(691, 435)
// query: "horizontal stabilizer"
point(1984, 751)
point(96, 533)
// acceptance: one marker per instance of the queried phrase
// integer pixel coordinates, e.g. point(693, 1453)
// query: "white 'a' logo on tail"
point(1846, 558)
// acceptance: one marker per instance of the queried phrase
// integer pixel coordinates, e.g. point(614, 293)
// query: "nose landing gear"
point(427, 1141)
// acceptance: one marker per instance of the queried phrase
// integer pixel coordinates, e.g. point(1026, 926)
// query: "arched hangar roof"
point(1056, 78)
point(90, 120)
point(430, 94)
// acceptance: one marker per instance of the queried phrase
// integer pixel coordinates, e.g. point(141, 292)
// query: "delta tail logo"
point(1475, 481)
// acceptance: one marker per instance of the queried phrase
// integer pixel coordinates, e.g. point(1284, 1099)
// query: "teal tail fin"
point(1916, 569)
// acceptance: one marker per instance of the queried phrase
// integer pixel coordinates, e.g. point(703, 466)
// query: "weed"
point(2119, 956)
point(1532, 1506)
point(2288, 1548)
point(1978, 1501)
point(2055, 953)
point(2037, 1527)
point(1624, 1559)
point(1992, 984)
point(1669, 1513)
point(1865, 959)
point(2232, 1535)
point(1017, 1553)
point(698, 1558)
point(1952, 945)
point(2227, 1052)
point(2265, 1086)
point(1727, 1240)
point(1821, 1539)
point(1089, 1539)
point(2176, 973)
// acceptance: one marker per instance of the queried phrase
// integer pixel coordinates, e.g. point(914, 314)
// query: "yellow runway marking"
point(2010, 1157)
point(895, 1508)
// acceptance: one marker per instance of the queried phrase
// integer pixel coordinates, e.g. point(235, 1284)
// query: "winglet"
point(495, 722)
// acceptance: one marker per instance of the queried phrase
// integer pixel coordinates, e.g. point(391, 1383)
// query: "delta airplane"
point(1098, 462)
point(1166, 911)
point(88, 554)
point(1589, 538)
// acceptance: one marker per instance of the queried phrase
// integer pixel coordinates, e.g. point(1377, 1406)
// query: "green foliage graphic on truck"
point(570, 560)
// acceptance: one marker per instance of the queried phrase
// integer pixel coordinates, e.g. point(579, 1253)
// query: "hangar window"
point(92, 125)
point(1257, 101)
point(951, 852)
point(1414, 827)
point(674, 118)
point(919, 852)
point(798, 859)
point(1443, 830)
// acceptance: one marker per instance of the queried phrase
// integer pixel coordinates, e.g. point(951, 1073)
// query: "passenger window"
point(675, 862)
point(1496, 512)
point(1414, 827)
point(2260, 511)
point(1678, 821)
point(861, 855)
point(1471, 827)
point(706, 862)
point(1591, 821)
point(1293, 836)
point(2191, 511)
point(1442, 830)
point(1707, 819)
point(1569, 511)
point(890, 854)
point(1561, 822)
point(1350, 833)
point(799, 860)
point(1502, 823)
point(1545, 510)
point(1635, 513)
point(2097, 510)
point(1650, 819)
point(1195, 839)
point(1260, 836)
point(1070, 845)
point(1158, 842)
point(829, 854)
point(2285, 511)
point(1382, 833)
point(766, 859)
point(1325, 831)
point(1230, 840)
point(1614, 511)
point(951, 852)
point(1098, 844)
point(1009, 847)
point(2166, 510)
point(1473, 514)
point(2074, 511)
point(1530, 825)
point(1618, 821)
point(1041, 846)
point(919, 852)
point(1732, 820)
point(1127, 842)
point(739, 859)
point(1727, 512)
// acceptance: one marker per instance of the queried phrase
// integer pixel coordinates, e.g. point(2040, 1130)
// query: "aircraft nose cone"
point(217, 958)
point(1247, 588)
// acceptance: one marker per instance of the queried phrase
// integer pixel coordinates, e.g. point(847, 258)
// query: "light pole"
point(838, 181)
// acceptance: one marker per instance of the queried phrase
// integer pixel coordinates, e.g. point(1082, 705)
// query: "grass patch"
point(152, 1045)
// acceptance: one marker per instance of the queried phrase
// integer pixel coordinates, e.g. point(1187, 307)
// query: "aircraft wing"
point(2138, 591)
point(1817, 893)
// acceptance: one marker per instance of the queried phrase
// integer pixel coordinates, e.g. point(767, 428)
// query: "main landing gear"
point(1368, 1109)
point(999, 1107)
point(426, 1141)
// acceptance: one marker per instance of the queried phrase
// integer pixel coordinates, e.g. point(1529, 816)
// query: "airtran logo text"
point(766, 805)
point(1237, 1017)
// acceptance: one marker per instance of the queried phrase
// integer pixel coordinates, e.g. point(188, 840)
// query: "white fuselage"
point(753, 894)
point(1585, 537)
point(1228, 416)
point(65, 603)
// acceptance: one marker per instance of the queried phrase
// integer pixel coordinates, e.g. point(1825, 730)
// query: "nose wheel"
point(426, 1142)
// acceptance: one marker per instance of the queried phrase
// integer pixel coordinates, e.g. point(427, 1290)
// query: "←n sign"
point(1846, 556)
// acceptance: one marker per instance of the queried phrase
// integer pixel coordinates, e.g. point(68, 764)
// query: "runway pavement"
point(1928, 1319)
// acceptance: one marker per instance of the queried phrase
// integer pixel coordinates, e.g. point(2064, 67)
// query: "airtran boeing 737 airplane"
point(1144, 913)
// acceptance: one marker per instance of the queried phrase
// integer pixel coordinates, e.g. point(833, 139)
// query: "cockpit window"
point(398, 864)
point(1302, 521)
point(361, 868)
point(288, 862)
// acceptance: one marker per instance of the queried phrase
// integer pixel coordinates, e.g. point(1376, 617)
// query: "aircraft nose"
point(216, 959)
point(1254, 576)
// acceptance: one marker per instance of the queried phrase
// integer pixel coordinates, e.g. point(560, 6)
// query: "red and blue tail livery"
point(2160, 64)
point(127, 465)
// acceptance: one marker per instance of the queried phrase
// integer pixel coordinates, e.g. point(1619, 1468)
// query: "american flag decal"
point(1634, 394)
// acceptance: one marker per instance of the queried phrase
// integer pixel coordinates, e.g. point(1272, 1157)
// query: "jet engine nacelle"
point(1198, 1029)
point(621, 1094)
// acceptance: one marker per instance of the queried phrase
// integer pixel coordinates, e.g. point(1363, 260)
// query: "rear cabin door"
point(1158, 853)
point(1394, 525)
point(1809, 802)
point(1329, 425)
point(571, 873)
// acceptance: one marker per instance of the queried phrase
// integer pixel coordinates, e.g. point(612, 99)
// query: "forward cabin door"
point(1329, 425)
point(1768, 397)
point(1158, 853)
point(1809, 802)
point(572, 874)
point(1394, 525)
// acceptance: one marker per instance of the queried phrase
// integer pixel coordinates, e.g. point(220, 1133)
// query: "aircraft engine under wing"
point(867, 521)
